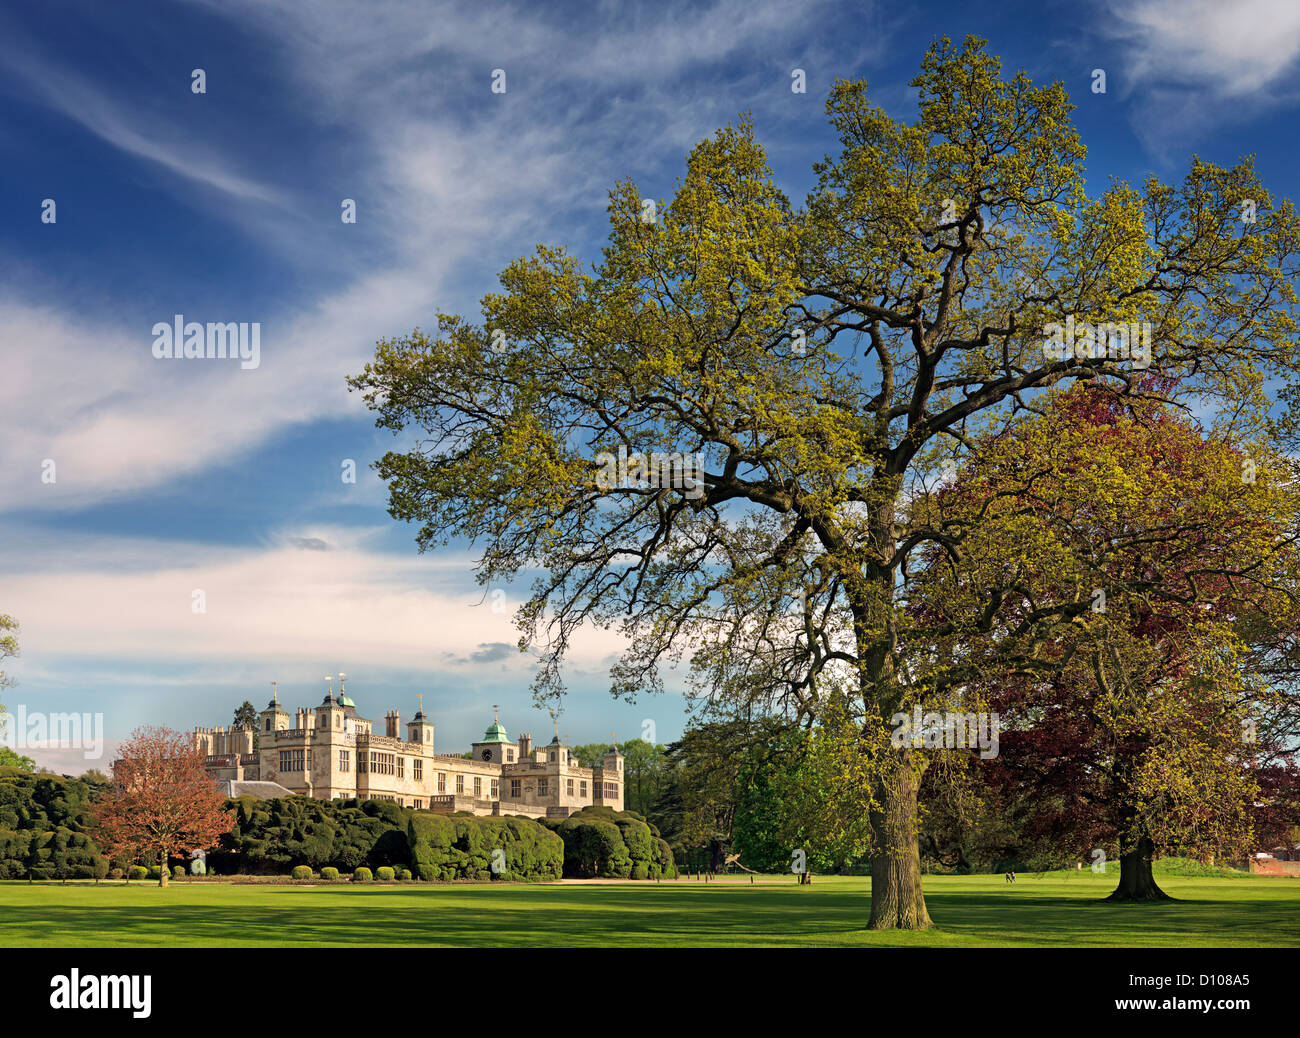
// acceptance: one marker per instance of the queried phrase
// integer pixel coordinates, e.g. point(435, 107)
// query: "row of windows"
point(390, 764)
point(381, 764)
point(544, 788)
point(338, 723)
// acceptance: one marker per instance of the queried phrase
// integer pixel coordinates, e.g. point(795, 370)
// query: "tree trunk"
point(897, 902)
point(162, 872)
point(1136, 882)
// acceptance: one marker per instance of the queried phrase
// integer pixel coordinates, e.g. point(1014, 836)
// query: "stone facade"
point(331, 753)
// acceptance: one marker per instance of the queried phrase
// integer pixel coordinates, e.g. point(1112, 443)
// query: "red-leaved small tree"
point(162, 801)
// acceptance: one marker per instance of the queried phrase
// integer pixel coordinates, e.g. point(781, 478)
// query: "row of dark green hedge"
point(270, 837)
point(274, 836)
point(44, 823)
point(601, 842)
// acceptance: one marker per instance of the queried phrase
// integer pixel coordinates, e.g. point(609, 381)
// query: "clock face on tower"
point(486, 755)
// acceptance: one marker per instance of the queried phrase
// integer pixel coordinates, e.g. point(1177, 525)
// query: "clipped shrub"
point(430, 838)
point(139, 872)
point(362, 875)
point(462, 846)
point(301, 872)
point(46, 826)
point(384, 874)
point(272, 837)
point(602, 842)
point(179, 872)
point(329, 872)
point(115, 873)
point(155, 872)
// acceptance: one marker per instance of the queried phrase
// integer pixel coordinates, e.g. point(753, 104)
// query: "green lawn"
point(1058, 909)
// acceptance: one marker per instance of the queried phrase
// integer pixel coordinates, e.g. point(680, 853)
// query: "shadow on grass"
point(613, 916)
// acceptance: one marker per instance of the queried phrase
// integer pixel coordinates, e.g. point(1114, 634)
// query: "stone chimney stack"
point(525, 746)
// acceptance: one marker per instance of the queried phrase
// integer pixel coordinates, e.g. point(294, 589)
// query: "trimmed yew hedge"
point(273, 837)
point(270, 837)
point(462, 846)
point(46, 828)
point(600, 842)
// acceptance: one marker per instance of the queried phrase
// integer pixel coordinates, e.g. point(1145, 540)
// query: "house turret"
point(491, 749)
point(420, 729)
point(275, 718)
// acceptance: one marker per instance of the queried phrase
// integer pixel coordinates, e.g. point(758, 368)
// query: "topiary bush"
point(274, 836)
point(179, 872)
point(462, 846)
point(602, 842)
point(362, 875)
point(138, 872)
point(329, 872)
point(301, 872)
point(384, 874)
point(46, 826)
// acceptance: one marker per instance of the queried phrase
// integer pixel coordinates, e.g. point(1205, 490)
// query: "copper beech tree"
point(162, 802)
point(708, 439)
point(1137, 724)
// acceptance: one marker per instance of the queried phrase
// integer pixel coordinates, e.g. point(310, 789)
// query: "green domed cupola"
point(345, 700)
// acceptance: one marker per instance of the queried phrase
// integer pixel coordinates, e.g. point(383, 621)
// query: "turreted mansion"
point(330, 753)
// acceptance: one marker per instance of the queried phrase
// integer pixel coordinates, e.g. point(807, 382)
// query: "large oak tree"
point(819, 359)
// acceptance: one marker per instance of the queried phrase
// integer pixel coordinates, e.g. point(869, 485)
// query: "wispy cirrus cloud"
point(1189, 66)
point(1231, 50)
point(452, 190)
point(147, 135)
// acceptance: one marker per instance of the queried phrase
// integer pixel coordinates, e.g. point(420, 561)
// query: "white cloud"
point(1191, 66)
point(89, 395)
point(1232, 50)
point(145, 135)
point(447, 192)
point(282, 604)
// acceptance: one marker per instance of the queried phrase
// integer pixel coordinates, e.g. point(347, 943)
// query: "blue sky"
point(171, 477)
